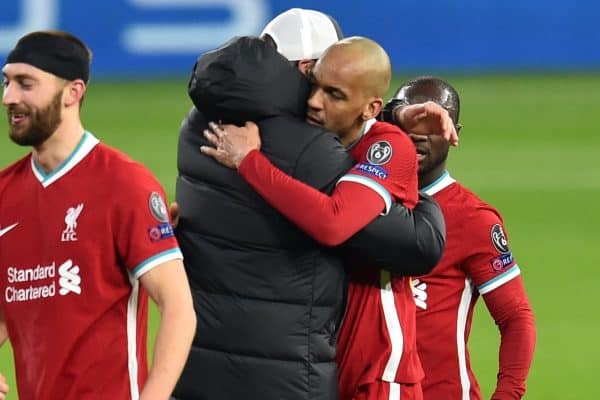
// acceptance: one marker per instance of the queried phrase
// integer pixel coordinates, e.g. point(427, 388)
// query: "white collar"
point(440, 183)
point(83, 148)
point(366, 127)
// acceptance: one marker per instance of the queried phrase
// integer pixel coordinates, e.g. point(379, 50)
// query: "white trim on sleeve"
point(156, 260)
point(372, 184)
point(499, 280)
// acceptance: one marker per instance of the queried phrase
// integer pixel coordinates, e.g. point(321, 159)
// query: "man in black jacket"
point(268, 298)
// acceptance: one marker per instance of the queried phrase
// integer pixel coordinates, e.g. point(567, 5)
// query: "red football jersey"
point(377, 340)
point(73, 244)
point(476, 260)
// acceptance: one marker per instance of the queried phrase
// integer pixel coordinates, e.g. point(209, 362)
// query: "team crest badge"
point(379, 153)
point(73, 213)
point(158, 207)
point(499, 239)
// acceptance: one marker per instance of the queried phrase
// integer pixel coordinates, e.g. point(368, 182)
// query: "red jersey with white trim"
point(476, 260)
point(73, 244)
point(377, 340)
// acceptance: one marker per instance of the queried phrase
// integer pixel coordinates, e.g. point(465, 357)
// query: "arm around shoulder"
point(404, 242)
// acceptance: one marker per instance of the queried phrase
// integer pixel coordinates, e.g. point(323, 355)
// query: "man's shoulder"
point(459, 200)
point(380, 130)
point(15, 168)
point(119, 165)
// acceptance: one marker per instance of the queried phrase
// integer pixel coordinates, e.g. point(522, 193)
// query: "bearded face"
point(30, 125)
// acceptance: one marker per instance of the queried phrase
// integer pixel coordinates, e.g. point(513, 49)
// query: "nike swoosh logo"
point(7, 229)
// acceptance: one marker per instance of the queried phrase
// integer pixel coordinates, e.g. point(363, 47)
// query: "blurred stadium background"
point(529, 77)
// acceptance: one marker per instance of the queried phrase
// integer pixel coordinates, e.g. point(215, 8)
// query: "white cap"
point(302, 34)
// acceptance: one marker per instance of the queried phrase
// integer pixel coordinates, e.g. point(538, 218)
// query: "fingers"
point(212, 138)
point(3, 387)
point(210, 151)
point(216, 129)
point(174, 213)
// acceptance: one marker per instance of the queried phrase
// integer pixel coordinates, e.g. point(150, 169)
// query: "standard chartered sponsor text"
point(32, 291)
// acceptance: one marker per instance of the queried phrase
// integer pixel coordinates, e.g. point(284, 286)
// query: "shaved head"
point(367, 60)
point(349, 82)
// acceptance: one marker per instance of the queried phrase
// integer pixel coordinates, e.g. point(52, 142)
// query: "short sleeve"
point(144, 237)
point(491, 263)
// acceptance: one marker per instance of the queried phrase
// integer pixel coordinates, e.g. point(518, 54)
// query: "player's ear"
point(74, 92)
point(373, 108)
point(306, 65)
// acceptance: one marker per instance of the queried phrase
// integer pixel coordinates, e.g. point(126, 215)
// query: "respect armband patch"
point(160, 232)
point(501, 262)
point(370, 169)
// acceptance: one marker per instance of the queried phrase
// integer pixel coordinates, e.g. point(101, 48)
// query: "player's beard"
point(41, 125)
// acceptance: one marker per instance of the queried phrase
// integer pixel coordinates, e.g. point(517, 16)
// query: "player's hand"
point(3, 387)
point(427, 119)
point(231, 143)
point(174, 213)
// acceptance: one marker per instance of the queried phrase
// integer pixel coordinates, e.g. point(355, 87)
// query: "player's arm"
point(404, 242)
point(427, 118)
point(497, 276)
point(147, 248)
point(329, 219)
point(168, 286)
point(510, 308)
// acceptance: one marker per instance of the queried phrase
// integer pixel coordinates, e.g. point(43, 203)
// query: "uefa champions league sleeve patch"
point(379, 153)
point(158, 207)
point(499, 239)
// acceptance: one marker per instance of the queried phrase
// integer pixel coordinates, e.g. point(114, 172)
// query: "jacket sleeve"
point(322, 162)
point(404, 242)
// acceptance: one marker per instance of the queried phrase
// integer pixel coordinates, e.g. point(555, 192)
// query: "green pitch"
point(529, 146)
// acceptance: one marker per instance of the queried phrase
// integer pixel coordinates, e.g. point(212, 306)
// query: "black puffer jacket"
point(268, 299)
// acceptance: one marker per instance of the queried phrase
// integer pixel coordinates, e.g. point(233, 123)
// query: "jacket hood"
point(247, 79)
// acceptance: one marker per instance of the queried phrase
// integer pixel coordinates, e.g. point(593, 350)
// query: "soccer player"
point(477, 261)
point(84, 239)
point(377, 347)
point(242, 257)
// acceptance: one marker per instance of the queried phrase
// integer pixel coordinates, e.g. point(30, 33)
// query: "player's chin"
point(424, 166)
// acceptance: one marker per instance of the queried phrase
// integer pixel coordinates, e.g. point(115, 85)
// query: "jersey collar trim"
point(440, 183)
point(85, 145)
point(366, 127)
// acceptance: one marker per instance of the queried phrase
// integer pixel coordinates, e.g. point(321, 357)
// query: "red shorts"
point(381, 390)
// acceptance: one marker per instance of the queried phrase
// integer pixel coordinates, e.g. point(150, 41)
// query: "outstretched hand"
point(231, 144)
point(428, 119)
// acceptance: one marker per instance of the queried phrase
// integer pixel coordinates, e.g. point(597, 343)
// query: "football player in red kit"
point(377, 345)
point(477, 261)
point(84, 239)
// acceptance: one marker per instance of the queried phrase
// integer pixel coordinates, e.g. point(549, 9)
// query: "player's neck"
point(355, 134)
point(55, 150)
point(432, 175)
